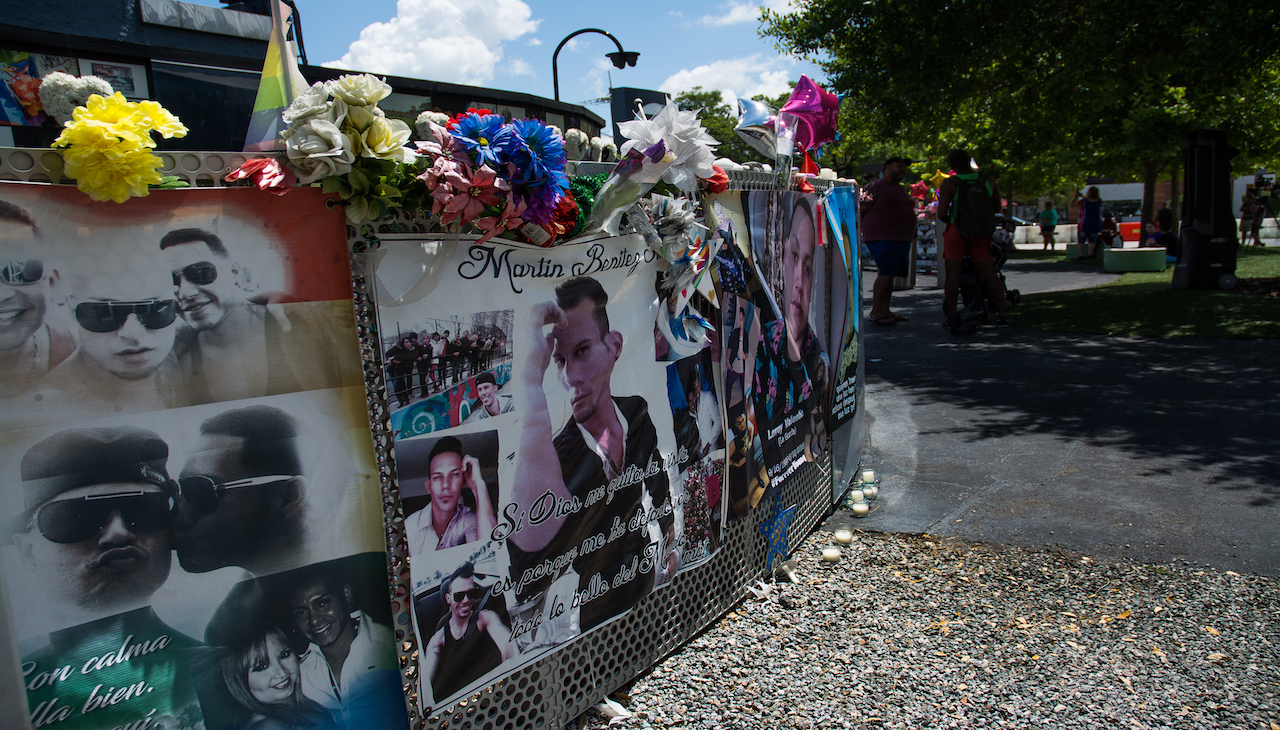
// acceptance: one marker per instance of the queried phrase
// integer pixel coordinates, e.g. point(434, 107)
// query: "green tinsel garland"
point(584, 189)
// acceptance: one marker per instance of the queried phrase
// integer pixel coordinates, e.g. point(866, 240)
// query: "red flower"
point(266, 173)
point(458, 117)
point(509, 219)
point(718, 182)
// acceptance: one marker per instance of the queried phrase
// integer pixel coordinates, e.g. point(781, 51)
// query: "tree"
point(720, 122)
point(1047, 93)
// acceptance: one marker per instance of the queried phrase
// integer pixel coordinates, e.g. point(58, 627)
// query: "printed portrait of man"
point(29, 345)
point(790, 364)
point(492, 401)
point(242, 494)
point(126, 323)
point(606, 437)
point(349, 665)
point(470, 639)
point(309, 647)
point(235, 345)
point(94, 541)
point(446, 521)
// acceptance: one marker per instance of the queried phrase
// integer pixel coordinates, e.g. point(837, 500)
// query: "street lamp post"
point(620, 58)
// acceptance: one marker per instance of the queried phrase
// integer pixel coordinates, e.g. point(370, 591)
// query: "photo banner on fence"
point(191, 510)
point(553, 470)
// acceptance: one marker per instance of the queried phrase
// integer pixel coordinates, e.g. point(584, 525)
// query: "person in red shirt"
point(889, 229)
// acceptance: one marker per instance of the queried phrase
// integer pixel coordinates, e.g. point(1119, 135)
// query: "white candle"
point(870, 491)
point(861, 509)
point(831, 553)
point(868, 476)
point(844, 536)
point(857, 495)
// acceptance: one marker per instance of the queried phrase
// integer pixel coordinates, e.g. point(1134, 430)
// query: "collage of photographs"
point(550, 474)
point(191, 512)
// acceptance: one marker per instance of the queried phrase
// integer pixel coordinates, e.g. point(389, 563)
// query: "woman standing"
point(1090, 220)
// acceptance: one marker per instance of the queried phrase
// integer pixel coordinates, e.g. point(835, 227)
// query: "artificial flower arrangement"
point(107, 146)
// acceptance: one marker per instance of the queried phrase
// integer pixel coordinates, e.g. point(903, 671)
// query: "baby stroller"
point(974, 294)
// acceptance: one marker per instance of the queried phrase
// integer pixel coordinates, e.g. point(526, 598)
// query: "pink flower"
point(266, 173)
point(508, 220)
point(446, 152)
point(473, 192)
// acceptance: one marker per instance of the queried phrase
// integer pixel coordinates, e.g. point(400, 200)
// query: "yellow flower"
point(115, 177)
point(108, 146)
point(161, 120)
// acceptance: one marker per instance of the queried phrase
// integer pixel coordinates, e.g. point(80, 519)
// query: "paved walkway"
point(1158, 450)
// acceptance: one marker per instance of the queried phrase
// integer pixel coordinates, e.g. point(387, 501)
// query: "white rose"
point(385, 138)
point(319, 149)
point(361, 89)
point(309, 103)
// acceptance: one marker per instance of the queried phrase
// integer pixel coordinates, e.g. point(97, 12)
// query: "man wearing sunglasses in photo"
point(126, 325)
point(94, 538)
point(237, 345)
point(470, 642)
point(29, 345)
point(242, 496)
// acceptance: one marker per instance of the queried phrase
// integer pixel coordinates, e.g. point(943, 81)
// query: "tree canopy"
point(720, 121)
point(1046, 93)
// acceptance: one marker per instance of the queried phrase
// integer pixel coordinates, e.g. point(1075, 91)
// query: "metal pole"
point(555, 71)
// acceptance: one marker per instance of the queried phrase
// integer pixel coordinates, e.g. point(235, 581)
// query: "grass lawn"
point(1145, 304)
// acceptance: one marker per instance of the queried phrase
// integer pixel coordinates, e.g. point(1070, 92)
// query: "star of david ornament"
point(775, 530)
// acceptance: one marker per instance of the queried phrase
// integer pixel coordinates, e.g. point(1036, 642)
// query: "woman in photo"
point(263, 673)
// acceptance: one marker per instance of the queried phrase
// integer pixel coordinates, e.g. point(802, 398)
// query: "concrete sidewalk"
point(1156, 450)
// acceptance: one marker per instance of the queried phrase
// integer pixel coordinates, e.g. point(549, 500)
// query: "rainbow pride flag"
point(281, 82)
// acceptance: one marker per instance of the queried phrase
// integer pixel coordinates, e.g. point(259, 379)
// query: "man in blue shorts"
point(889, 229)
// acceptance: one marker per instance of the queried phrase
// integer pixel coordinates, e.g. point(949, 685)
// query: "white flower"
point(385, 139)
point(360, 89)
point(684, 138)
point(309, 103)
point(609, 152)
point(426, 119)
point(576, 144)
point(319, 149)
point(596, 149)
point(61, 93)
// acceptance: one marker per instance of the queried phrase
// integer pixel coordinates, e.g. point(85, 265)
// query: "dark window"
point(214, 103)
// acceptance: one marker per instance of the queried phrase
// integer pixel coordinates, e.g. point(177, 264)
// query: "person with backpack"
point(968, 202)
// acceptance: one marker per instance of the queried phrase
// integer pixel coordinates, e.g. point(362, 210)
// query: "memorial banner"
point(553, 472)
point(791, 363)
point(192, 516)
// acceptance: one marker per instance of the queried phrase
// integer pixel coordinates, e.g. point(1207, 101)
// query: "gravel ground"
point(914, 631)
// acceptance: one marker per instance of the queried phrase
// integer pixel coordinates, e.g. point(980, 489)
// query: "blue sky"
point(507, 44)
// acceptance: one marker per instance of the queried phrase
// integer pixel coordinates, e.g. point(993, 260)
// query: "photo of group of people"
point(183, 414)
point(461, 367)
point(561, 509)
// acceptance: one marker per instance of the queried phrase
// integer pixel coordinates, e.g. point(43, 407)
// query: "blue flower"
point(487, 138)
point(541, 158)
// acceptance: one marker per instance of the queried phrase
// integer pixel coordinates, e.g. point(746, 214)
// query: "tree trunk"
point(1150, 169)
point(1175, 197)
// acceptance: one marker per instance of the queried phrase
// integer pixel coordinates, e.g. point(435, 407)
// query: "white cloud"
point(440, 40)
point(744, 11)
point(519, 67)
point(735, 77)
point(535, 41)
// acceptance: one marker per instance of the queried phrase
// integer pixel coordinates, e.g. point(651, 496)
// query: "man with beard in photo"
point(609, 446)
point(94, 538)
